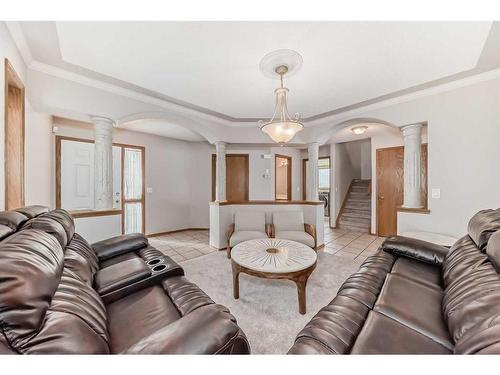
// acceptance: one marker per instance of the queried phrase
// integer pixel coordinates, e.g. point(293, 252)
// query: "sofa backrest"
point(288, 221)
point(249, 221)
point(47, 303)
point(471, 302)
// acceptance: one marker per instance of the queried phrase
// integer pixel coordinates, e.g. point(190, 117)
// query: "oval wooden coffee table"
point(273, 258)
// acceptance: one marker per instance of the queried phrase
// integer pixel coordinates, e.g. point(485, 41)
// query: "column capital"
point(102, 121)
point(411, 129)
point(220, 144)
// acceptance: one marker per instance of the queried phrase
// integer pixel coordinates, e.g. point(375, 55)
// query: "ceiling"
point(213, 67)
point(162, 128)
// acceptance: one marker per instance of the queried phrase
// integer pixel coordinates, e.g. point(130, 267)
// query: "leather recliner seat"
point(58, 295)
point(415, 297)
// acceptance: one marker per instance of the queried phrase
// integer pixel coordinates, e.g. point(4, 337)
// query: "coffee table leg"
point(301, 282)
point(236, 280)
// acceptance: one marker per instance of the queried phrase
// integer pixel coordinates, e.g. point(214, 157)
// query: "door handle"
point(381, 197)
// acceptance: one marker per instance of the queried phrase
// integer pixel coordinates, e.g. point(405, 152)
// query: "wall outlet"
point(149, 190)
point(436, 193)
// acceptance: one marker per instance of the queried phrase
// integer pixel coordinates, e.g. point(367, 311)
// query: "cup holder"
point(152, 262)
point(159, 268)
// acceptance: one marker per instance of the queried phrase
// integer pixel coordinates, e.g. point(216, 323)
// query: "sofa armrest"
point(119, 245)
point(210, 329)
point(423, 251)
point(311, 229)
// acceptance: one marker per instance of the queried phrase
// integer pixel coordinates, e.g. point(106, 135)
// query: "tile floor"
point(181, 246)
point(349, 244)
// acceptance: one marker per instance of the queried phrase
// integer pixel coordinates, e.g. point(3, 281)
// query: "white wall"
point(39, 160)
point(366, 159)
point(261, 188)
point(463, 153)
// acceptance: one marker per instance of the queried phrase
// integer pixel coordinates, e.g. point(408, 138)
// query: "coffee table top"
point(273, 255)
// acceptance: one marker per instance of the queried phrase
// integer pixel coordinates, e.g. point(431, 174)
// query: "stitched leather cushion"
point(12, 219)
point(482, 225)
point(75, 323)
point(32, 211)
point(50, 226)
point(335, 327)
point(31, 264)
point(471, 302)
point(493, 250)
point(65, 219)
point(81, 259)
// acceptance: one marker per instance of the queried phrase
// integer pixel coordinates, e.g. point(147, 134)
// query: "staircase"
point(355, 214)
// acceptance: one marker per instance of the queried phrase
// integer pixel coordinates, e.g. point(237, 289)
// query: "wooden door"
point(282, 177)
point(389, 188)
point(390, 181)
point(14, 139)
point(237, 177)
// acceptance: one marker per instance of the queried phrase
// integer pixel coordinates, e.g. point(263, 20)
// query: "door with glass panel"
point(133, 189)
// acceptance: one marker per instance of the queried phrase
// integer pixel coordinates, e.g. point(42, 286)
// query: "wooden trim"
point(142, 200)
point(173, 231)
point(90, 213)
point(304, 182)
point(94, 213)
point(261, 202)
point(11, 79)
point(337, 219)
point(422, 210)
point(288, 175)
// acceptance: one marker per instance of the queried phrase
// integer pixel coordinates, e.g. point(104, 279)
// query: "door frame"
point(288, 174)
point(423, 176)
point(247, 174)
point(92, 213)
point(12, 80)
point(304, 182)
point(143, 193)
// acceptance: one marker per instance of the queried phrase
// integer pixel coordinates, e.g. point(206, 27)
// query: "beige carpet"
point(267, 310)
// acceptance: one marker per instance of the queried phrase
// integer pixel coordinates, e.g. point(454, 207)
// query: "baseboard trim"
point(173, 231)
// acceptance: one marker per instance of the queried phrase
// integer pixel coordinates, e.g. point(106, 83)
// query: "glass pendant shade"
point(282, 127)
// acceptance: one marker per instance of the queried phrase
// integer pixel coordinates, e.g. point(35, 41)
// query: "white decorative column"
point(220, 172)
point(412, 166)
point(313, 173)
point(103, 163)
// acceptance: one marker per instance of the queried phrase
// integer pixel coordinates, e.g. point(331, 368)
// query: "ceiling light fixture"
point(358, 130)
point(281, 127)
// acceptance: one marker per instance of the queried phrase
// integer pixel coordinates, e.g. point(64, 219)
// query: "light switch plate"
point(149, 190)
point(436, 193)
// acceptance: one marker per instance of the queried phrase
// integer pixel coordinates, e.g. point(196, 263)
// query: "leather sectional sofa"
point(414, 297)
point(58, 295)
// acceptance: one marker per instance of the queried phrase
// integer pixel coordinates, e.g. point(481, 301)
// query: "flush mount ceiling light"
point(281, 127)
point(358, 130)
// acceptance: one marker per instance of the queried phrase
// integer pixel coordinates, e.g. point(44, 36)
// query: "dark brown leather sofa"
point(414, 297)
point(58, 295)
